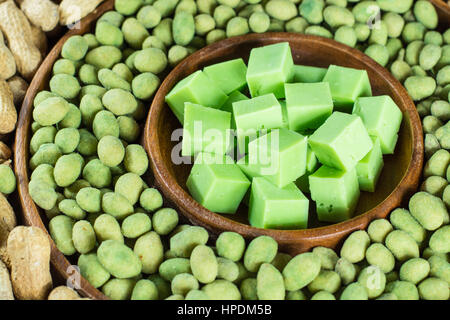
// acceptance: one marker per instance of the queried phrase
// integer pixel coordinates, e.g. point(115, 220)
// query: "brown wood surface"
point(31, 214)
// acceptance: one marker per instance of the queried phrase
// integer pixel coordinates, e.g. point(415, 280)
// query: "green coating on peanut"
point(261, 250)
point(183, 28)
point(327, 256)
point(326, 280)
point(42, 136)
point(97, 174)
point(130, 185)
point(230, 245)
point(404, 290)
point(75, 48)
point(183, 283)
point(281, 9)
point(145, 290)
point(248, 289)
point(116, 205)
point(92, 270)
point(136, 225)
point(354, 247)
point(145, 85)
point(119, 101)
point(281, 260)
point(64, 66)
point(301, 271)
point(434, 289)
point(119, 289)
point(110, 151)
point(111, 80)
point(171, 267)
point(354, 291)
point(135, 159)
point(222, 290)
point(346, 270)
point(311, 10)
point(118, 259)
point(67, 139)
point(7, 179)
point(83, 236)
point(428, 210)
point(204, 264)
point(150, 251)
point(134, 32)
point(106, 227)
point(414, 270)
point(440, 240)
point(401, 219)
point(323, 295)
point(196, 295)
point(104, 57)
point(237, 26)
point(70, 208)
point(48, 153)
point(50, 111)
point(60, 228)
point(151, 199)
point(373, 280)
point(227, 269)
point(165, 220)
point(68, 169)
point(269, 283)
point(43, 172)
point(402, 245)
point(378, 255)
point(439, 267)
point(379, 229)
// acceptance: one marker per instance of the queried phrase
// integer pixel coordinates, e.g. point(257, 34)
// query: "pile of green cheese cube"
point(267, 133)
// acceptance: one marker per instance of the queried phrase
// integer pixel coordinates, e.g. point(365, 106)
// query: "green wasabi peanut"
point(134, 33)
point(188, 6)
point(431, 124)
point(259, 22)
point(429, 56)
point(298, 24)
point(431, 145)
point(112, 17)
point(362, 31)
point(412, 54)
point(301, 271)
point(151, 199)
point(152, 60)
point(401, 219)
point(185, 241)
point(222, 290)
point(149, 249)
point(50, 111)
point(230, 245)
point(414, 270)
point(42, 194)
point(7, 179)
point(299, 295)
point(387, 296)
point(398, 6)
point(71, 191)
point(354, 247)
point(230, 3)
point(223, 14)
point(116, 205)
point(441, 110)
point(379, 53)
point(439, 268)
point(104, 57)
point(176, 55)
point(42, 136)
point(420, 87)
point(119, 101)
point(129, 129)
point(128, 7)
point(364, 11)
point(434, 289)
point(163, 31)
point(434, 185)
point(91, 41)
point(64, 66)
point(215, 36)
point(401, 70)
point(346, 35)
point(97, 174)
point(166, 7)
point(183, 283)
point(206, 6)
point(413, 31)
point(111, 80)
point(110, 151)
point(60, 228)
point(196, 295)
point(281, 9)
point(269, 283)
point(440, 240)
point(392, 276)
point(247, 11)
point(41, 96)
point(428, 210)
point(129, 62)
point(71, 209)
point(237, 26)
point(243, 273)
point(446, 196)
point(378, 255)
point(130, 185)
point(106, 227)
point(68, 169)
point(90, 105)
point(443, 76)
point(394, 23)
point(72, 118)
point(165, 220)
point(183, 28)
point(145, 85)
point(119, 289)
point(105, 124)
point(326, 280)
point(227, 269)
point(171, 267)
point(93, 89)
point(404, 290)
point(433, 37)
point(48, 153)
point(379, 34)
point(402, 245)
point(163, 286)
point(122, 70)
point(373, 280)
point(136, 225)
point(426, 14)
point(204, 264)
point(43, 172)
point(346, 270)
point(153, 42)
point(145, 290)
point(311, 10)
point(323, 295)
point(89, 199)
point(118, 259)
point(248, 289)
point(327, 256)
point(281, 260)
point(336, 16)
point(75, 48)
point(108, 34)
point(92, 270)
point(83, 236)
point(379, 229)
point(149, 16)
point(423, 108)
point(354, 291)
point(318, 31)
point(135, 159)
point(262, 249)
point(175, 297)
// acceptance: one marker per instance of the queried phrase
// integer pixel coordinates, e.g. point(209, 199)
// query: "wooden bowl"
point(398, 180)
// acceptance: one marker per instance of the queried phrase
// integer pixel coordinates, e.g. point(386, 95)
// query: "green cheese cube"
point(228, 105)
point(369, 168)
point(311, 166)
point(346, 85)
point(229, 75)
point(217, 183)
point(269, 68)
point(382, 118)
point(308, 104)
point(277, 208)
point(280, 156)
point(205, 130)
point(196, 88)
point(341, 141)
point(254, 115)
point(336, 193)
point(307, 74)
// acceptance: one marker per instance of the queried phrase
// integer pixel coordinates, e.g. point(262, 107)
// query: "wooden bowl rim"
point(201, 215)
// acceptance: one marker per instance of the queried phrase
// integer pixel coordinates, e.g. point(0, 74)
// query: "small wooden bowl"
point(399, 178)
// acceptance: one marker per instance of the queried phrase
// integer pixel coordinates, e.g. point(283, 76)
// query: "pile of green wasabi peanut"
point(89, 171)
